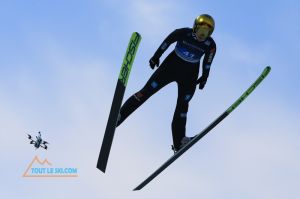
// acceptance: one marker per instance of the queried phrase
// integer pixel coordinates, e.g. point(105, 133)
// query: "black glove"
point(201, 81)
point(154, 61)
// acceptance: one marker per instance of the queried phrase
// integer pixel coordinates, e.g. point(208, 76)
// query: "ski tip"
point(136, 189)
point(267, 70)
point(136, 34)
point(268, 67)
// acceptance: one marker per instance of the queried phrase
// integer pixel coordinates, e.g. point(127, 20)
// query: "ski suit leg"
point(185, 94)
point(161, 77)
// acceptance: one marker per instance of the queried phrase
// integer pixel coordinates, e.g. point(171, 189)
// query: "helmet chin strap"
point(196, 37)
point(200, 39)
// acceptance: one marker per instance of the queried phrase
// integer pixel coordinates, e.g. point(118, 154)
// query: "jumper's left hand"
point(201, 81)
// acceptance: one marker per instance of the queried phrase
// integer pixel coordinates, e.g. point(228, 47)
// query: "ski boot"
point(184, 141)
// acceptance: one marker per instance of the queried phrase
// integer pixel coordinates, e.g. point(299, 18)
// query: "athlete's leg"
point(161, 77)
point(185, 94)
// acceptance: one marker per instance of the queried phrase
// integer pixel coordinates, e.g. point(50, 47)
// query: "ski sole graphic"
point(117, 100)
point(207, 129)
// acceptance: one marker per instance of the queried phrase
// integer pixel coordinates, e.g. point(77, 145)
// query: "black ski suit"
point(181, 66)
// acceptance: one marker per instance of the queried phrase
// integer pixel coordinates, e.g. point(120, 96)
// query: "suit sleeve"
point(171, 38)
point(207, 61)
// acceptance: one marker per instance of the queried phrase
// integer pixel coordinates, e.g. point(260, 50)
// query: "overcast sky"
point(59, 63)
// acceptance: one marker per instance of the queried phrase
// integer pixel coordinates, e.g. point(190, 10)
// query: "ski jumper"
point(180, 66)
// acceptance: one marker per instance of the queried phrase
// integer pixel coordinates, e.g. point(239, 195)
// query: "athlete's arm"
point(171, 38)
point(207, 61)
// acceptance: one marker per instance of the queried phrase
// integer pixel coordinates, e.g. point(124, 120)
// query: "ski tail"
point(117, 100)
point(207, 129)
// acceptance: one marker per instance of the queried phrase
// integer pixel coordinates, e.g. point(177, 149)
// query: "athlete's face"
point(202, 32)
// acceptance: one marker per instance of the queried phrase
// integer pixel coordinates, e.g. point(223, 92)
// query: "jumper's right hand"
point(154, 61)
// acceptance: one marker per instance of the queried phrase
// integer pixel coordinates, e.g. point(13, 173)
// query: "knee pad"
point(139, 96)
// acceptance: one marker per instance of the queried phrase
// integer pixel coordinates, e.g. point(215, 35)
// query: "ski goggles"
point(203, 25)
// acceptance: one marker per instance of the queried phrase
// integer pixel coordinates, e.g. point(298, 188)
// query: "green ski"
point(207, 129)
point(117, 100)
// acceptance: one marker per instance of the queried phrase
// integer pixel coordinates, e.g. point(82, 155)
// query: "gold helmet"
point(204, 19)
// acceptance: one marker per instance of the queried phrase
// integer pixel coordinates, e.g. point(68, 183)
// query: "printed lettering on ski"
point(128, 59)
